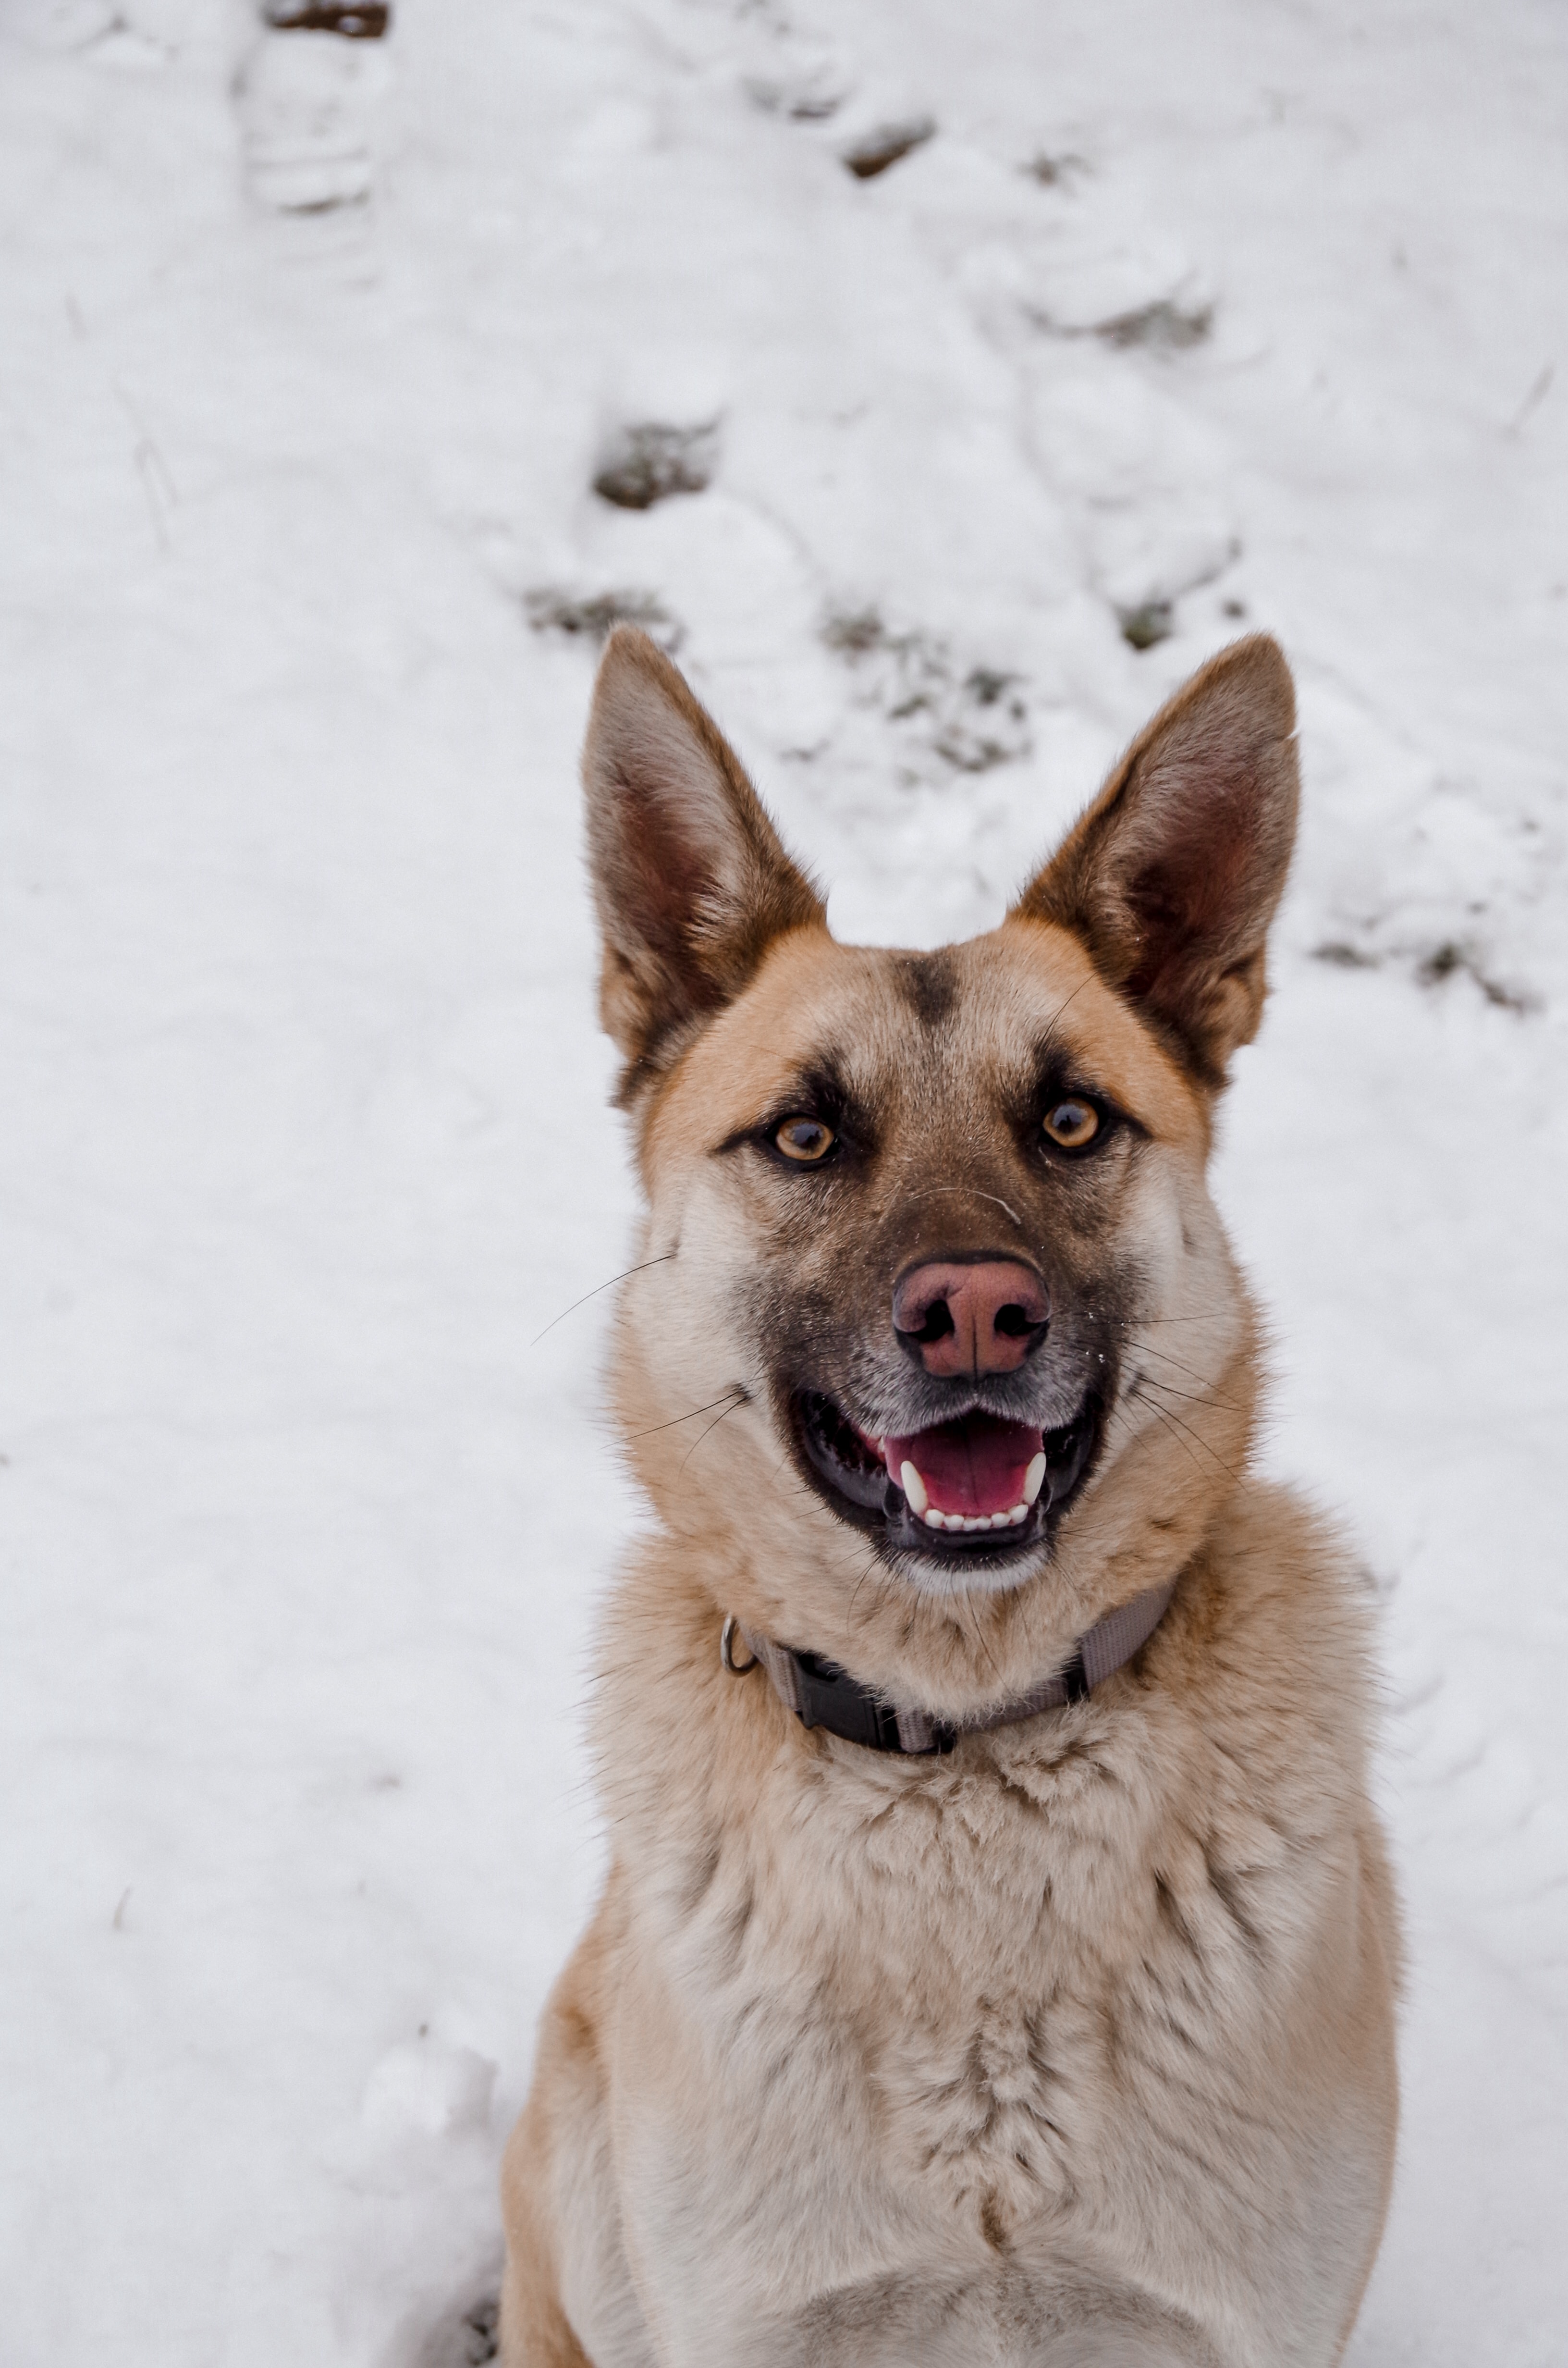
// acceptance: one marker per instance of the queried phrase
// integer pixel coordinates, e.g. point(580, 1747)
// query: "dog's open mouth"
point(979, 1484)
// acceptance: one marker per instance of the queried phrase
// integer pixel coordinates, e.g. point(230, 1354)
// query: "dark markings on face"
point(940, 1155)
point(831, 1329)
point(930, 985)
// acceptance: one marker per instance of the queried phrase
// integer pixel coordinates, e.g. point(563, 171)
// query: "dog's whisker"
point(1165, 1416)
point(971, 1192)
point(733, 1407)
point(1194, 1397)
point(1049, 1036)
point(1215, 1318)
point(1160, 1415)
point(663, 1259)
point(1118, 1414)
point(1147, 1348)
point(737, 1391)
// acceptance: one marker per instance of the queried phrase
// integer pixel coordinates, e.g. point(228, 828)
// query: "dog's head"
point(933, 1289)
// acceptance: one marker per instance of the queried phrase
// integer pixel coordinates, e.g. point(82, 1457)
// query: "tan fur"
point(1076, 2045)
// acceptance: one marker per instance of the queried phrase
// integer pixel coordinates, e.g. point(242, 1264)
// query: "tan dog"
point(998, 1956)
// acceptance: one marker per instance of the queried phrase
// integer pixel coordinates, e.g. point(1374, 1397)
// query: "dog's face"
point(931, 1257)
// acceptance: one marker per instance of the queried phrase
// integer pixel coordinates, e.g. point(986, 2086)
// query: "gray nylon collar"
point(822, 1694)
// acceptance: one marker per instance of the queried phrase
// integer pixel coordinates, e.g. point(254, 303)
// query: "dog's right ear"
point(690, 881)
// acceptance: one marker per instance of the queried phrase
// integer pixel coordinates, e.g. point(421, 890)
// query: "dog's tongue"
point(978, 1466)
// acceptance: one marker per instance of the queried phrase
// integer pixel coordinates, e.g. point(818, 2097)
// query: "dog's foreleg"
point(568, 2300)
point(534, 2329)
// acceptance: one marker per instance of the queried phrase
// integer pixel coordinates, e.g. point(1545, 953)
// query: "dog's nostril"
point(971, 1314)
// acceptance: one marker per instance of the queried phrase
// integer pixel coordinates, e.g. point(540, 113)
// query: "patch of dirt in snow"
point(591, 616)
point(964, 717)
point(649, 461)
point(888, 145)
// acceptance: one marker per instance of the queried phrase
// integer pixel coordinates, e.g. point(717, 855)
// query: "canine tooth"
point(914, 1488)
point(1034, 1478)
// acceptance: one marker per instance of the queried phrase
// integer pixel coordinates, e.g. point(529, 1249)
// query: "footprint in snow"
point(310, 97)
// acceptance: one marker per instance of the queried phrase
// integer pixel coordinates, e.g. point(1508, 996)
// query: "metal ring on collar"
point(727, 1635)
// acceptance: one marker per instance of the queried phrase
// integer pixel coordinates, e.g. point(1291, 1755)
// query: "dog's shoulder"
point(1268, 1647)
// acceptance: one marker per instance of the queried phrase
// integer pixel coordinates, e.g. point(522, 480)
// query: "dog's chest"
point(987, 2109)
point(985, 2022)
point(959, 2034)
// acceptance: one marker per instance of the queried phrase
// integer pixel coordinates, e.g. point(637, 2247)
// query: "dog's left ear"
point(1172, 876)
point(690, 881)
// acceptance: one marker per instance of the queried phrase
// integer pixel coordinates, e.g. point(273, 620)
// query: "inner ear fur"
point(690, 880)
point(1170, 877)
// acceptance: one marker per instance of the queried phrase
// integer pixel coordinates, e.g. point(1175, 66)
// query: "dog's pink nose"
point(970, 1319)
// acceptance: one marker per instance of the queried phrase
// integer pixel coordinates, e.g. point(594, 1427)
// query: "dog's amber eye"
point(805, 1139)
point(1073, 1124)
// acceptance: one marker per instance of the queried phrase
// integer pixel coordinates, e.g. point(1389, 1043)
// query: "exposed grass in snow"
point(305, 1138)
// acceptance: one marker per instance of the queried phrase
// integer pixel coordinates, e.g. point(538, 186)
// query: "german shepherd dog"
point(998, 1956)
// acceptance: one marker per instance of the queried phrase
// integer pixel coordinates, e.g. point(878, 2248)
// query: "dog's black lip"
point(881, 1508)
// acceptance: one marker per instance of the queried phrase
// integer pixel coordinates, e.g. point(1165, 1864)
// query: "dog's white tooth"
point(914, 1488)
point(1034, 1478)
point(969, 1521)
point(1019, 1514)
point(935, 1520)
point(1000, 1520)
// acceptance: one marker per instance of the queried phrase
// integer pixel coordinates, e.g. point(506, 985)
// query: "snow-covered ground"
point(1251, 311)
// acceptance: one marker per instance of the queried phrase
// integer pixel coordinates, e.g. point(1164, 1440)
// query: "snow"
point(303, 1511)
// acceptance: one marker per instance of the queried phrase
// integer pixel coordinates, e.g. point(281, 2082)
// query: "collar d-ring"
point(727, 1635)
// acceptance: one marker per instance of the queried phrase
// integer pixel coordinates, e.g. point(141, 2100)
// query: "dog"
point(999, 1953)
